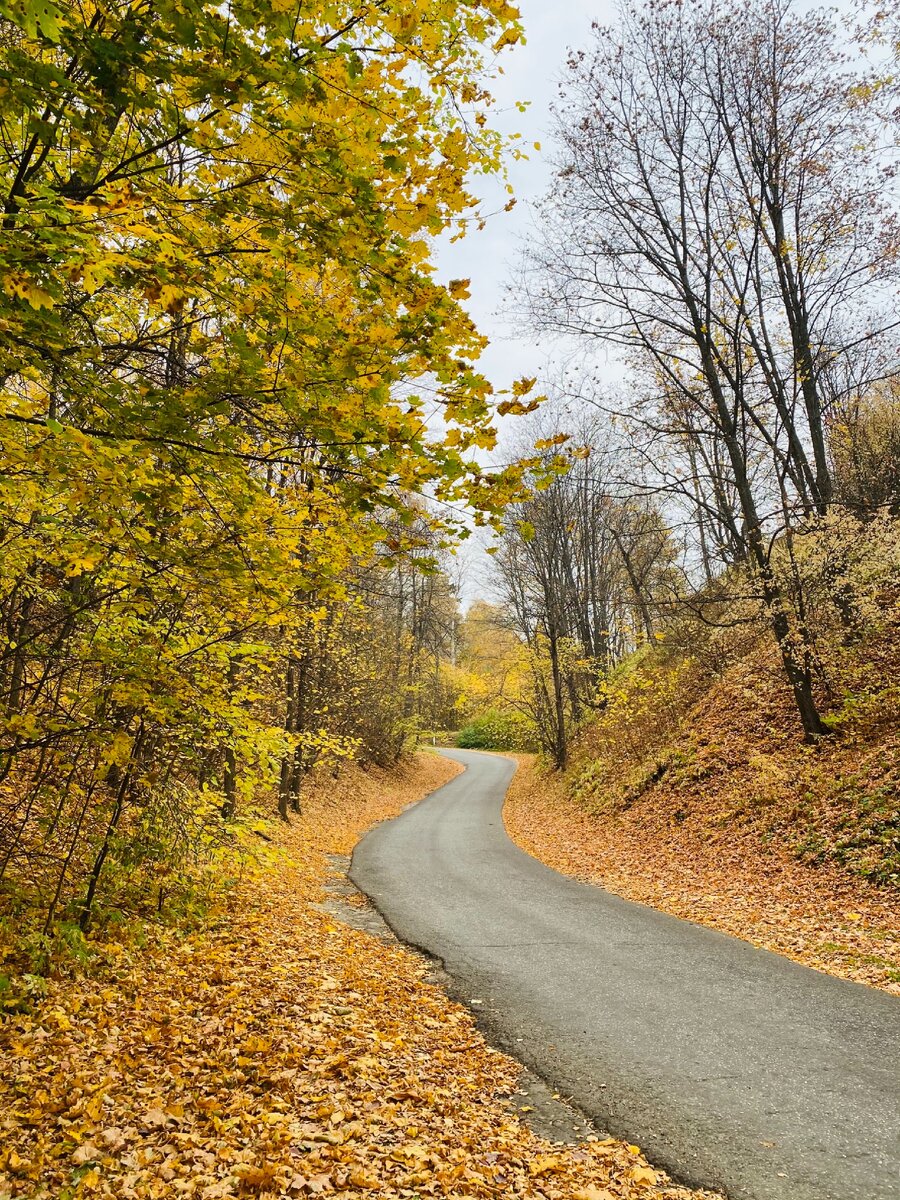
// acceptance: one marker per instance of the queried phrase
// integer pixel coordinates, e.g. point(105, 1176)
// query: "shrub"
point(497, 730)
point(865, 447)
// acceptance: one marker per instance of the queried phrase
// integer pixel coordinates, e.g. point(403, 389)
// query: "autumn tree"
point(721, 214)
point(579, 569)
point(217, 309)
point(365, 668)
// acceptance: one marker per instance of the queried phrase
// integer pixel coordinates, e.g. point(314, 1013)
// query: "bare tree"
point(577, 569)
point(717, 212)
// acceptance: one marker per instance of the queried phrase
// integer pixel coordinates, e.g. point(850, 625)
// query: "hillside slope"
point(698, 797)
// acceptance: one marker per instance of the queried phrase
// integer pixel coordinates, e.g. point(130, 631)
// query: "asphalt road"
point(731, 1067)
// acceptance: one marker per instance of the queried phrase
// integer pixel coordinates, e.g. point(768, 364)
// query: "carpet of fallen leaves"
point(278, 1052)
point(698, 850)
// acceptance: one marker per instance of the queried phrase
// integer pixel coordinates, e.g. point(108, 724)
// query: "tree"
point(719, 212)
point(217, 311)
point(578, 569)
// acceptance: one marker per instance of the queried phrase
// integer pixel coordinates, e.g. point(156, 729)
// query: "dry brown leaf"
point(643, 1176)
point(593, 1193)
point(85, 1153)
point(256, 1178)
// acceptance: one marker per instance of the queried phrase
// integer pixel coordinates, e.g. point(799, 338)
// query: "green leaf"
point(33, 16)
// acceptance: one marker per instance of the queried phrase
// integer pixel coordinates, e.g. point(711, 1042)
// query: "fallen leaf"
point(643, 1176)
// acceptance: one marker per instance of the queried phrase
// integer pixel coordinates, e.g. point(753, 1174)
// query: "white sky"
point(530, 73)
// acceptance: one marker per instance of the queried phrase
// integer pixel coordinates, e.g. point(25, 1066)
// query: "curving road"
point(730, 1066)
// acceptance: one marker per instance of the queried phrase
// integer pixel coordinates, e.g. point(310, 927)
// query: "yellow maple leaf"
point(359, 1178)
point(544, 1164)
point(643, 1176)
point(25, 289)
point(509, 37)
point(256, 1178)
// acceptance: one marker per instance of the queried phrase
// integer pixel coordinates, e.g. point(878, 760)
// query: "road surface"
point(730, 1066)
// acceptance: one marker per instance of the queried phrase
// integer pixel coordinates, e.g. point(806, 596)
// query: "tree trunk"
point(229, 785)
point(559, 733)
point(229, 774)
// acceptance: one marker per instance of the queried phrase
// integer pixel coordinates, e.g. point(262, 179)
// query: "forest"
point(243, 426)
point(248, 457)
point(223, 355)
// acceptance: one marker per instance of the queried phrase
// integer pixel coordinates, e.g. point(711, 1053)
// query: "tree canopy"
point(231, 386)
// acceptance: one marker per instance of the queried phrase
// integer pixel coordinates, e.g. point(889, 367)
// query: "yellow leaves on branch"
point(509, 37)
point(558, 439)
point(394, 156)
point(24, 288)
point(523, 386)
point(502, 10)
point(518, 406)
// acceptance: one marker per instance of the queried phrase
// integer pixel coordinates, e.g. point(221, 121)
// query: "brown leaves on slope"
point(280, 1053)
point(704, 850)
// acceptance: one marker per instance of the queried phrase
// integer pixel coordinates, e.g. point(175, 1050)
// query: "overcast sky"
point(531, 73)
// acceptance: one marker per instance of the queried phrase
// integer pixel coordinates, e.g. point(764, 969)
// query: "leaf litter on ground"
point(677, 851)
point(279, 1053)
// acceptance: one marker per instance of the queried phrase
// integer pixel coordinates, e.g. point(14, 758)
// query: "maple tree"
point(222, 349)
